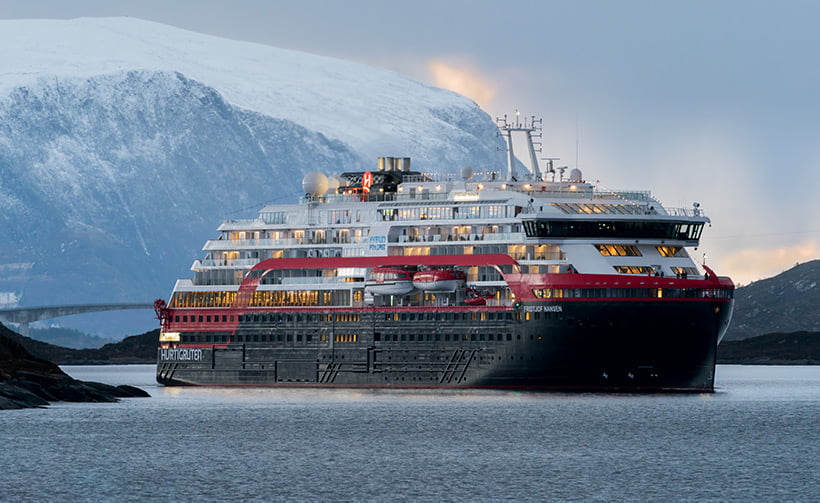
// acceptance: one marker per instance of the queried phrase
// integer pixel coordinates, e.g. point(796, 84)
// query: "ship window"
point(481, 337)
point(404, 337)
point(298, 337)
point(290, 338)
point(509, 337)
point(685, 272)
point(224, 318)
point(619, 250)
point(472, 337)
point(208, 318)
point(412, 337)
point(447, 337)
point(403, 316)
point(633, 269)
point(670, 251)
point(438, 337)
point(377, 337)
point(185, 319)
point(200, 318)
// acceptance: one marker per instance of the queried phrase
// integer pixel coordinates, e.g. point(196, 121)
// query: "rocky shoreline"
point(27, 381)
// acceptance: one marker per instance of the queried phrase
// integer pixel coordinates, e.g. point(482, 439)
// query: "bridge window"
point(612, 229)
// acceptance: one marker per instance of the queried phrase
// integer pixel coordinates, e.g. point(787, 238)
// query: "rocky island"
point(27, 381)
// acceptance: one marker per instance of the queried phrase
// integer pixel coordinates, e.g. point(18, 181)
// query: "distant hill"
point(788, 302)
point(135, 349)
point(68, 338)
point(798, 348)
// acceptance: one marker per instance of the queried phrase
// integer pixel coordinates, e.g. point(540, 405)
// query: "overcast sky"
point(708, 101)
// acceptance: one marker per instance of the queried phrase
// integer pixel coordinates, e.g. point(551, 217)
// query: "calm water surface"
point(755, 439)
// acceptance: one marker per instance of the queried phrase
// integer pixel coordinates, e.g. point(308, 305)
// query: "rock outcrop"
point(27, 381)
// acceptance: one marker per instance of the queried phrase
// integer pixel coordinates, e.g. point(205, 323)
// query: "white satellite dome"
point(315, 183)
point(333, 183)
point(575, 175)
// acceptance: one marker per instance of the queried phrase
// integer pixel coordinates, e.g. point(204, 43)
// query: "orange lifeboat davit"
point(439, 280)
point(389, 281)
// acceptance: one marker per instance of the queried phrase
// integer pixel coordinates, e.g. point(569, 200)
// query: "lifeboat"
point(389, 281)
point(438, 280)
point(476, 298)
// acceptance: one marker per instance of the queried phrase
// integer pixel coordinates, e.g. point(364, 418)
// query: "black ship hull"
point(646, 345)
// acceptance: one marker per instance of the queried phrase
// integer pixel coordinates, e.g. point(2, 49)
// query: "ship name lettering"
point(377, 243)
point(181, 354)
point(544, 309)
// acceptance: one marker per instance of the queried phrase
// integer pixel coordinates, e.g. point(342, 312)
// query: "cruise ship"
point(525, 278)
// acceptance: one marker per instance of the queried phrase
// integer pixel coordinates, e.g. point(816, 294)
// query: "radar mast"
point(531, 127)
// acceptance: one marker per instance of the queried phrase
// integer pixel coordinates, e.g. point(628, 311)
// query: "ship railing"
point(242, 221)
point(313, 281)
point(376, 197)
point(539, 256)
point(489, 236)
point(232, 244)
point(629, 195)
point(685, 212)
point(227, 262)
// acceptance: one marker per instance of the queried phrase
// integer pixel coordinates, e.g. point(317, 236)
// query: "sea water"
point(755, 439)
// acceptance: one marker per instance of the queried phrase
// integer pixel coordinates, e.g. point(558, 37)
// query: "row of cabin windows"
point(263, 298)
point(268, 338)
point(466, 315)
point(309, 338)
point(454, 212)
point(267, 318)
point(445, 337)
point(632, 293)
point(354, 317)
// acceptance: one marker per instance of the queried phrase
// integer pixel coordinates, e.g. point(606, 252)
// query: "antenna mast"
point(531, 127)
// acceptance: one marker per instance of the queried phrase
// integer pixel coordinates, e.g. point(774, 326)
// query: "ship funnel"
point(403, 164)
point(381, 163)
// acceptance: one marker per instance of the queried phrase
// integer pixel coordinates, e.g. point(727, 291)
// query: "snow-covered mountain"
point(123, 143)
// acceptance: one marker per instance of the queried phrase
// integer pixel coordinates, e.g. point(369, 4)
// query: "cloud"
point(752, 264)
point(462, 80)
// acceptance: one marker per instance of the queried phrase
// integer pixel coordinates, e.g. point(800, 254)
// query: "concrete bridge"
point(25, 315)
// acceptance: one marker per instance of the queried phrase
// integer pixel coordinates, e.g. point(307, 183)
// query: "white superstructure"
point(547, 222)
